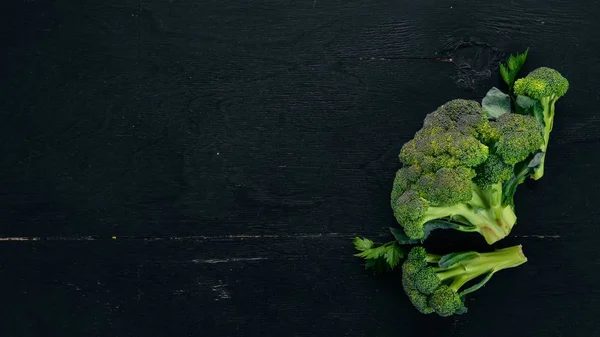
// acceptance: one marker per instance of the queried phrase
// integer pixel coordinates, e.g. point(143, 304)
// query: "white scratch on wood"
point(180, 238)
point(239, 259)
point(19, 239)
point(221, 291)
point(539, 236)
point(50, 238)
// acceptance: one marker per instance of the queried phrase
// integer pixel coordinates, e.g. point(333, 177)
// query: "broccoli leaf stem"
point(548, 105)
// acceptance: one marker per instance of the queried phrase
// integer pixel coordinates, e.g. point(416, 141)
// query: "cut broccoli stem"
point(493, 224)
point(548, 105)
point(486, 214)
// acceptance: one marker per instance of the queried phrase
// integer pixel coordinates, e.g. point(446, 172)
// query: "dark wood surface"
point(199, 168)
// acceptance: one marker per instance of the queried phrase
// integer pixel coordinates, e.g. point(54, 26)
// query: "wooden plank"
point(198, 130)
point(235, 148)
point(297, 286)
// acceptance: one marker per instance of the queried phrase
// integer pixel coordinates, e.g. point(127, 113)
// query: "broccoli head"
point(545, 86)
point(542, 83)
point(456, 167)
point(435, 283)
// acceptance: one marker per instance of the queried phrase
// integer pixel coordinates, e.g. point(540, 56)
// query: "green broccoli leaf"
point(529, 106)
point(378, 266)
point(536, 161)
point(432, 225)
point(478, 285)
point(522, 170)
point(371, 263)
point(452, 259)
point(401, 238)
point(393, 255)
point(495, 103)
point(362, 244)
point(525, 104)
point(372, 253)
point(428, 227)
point(510, 70)
point(505, 73)
point(389, 254)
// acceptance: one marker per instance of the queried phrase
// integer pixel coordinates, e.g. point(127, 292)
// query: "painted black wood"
point(199, 168)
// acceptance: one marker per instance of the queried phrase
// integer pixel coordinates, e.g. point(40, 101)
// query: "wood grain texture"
point(235, 148)
point(296, 286)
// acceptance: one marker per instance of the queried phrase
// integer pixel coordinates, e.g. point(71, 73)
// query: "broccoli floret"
point(519, 137)
point(455, 169)
point(493, 171)
point(435, 283)
point(545, 85)
point(446, 301)
point(419, 301)
point(542, 83)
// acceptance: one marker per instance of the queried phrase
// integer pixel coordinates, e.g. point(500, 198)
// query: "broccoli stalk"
point(546, 86)
point(547, 104)
point(548, 113)
point(437, 283)
point(484, 214)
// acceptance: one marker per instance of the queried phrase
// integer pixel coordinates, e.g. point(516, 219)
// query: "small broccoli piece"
point(419, 301)
point(493, 171)
point(455, 169)
point(445, 301)
point(545, 85)
point(519, 136)
point(436, 283)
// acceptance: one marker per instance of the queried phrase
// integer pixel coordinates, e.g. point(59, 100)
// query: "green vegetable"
point(381, 259)
point(495, 103)
point(463, 169)
point(510, 70)
point(537, 95)
point(438, 284)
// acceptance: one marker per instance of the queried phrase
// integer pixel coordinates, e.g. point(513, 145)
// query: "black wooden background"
point(199, 168)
